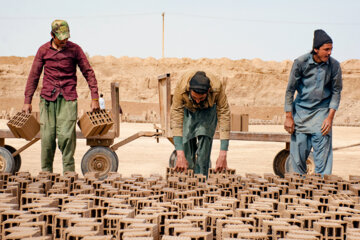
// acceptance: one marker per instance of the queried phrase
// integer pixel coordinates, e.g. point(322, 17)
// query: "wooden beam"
point(132, 138)
point(25, 147)
point(115, 105)
point(263, 137)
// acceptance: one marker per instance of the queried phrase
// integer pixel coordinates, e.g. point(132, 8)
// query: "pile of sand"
point(253, 86)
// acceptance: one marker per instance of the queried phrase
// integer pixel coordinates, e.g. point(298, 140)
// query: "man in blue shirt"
point(317, 79)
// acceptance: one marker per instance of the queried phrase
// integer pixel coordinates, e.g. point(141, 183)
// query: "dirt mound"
point(250, 84)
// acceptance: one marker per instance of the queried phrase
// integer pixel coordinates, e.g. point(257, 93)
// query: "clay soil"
point(253, 86)
point(145, 156)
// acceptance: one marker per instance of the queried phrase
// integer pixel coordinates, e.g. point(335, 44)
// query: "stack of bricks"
point(95, 123)
point(180, 206)
point(23, 125)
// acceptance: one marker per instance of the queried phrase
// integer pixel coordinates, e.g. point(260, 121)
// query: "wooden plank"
point(165, 103)
point(2, 142)
point(262, 137)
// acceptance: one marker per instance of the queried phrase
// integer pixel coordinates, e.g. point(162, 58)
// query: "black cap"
point(200, 83)
point(320, 38)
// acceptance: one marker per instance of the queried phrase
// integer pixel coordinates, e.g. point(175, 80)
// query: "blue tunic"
point(318, 89)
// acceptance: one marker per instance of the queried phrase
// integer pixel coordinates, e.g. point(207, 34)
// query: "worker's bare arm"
point(289, 124)
point(221, 162)
point(181, 162)
point(27, 108)
point(95, 105)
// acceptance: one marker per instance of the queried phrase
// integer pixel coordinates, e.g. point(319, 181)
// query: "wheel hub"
point(2, 164)
point(99, 163)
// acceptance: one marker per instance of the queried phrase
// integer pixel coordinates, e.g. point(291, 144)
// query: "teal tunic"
point(198, 132)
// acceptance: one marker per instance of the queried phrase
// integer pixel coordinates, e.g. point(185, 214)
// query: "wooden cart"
point(102, 158)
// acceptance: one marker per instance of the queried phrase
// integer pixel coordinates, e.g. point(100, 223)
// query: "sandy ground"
point(145, 156)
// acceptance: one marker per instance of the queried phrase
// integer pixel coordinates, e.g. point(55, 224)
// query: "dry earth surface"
point(145, 156)
point(253, 86)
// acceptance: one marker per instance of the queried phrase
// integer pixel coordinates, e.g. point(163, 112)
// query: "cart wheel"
point(99, 159)
point(7, 163)
point(279, 162)
point(17, 158)
point(310, 164)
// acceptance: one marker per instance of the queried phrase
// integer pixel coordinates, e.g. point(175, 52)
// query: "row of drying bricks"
point(335, 229)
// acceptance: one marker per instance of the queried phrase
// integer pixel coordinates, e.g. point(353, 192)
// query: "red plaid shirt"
point(59, 73)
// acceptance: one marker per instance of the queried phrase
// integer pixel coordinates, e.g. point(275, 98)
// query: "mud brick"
point(353, 221)
point(24, 125)
point(170, 227)
point(167, 237)
point(96, 226)
point(126, 213)
point(339, 215)
point(211, 197)
point(77, 233)
point(157, 197)
point(355, 188)
point(38, 224)
point(149, 227)
point(61, 222)
point(330, 189)
point(245, 212)
point(38, 238)
point(212, 219)
point(10, 223)
point(80, 212)
point(16, 233)
point(98, 212)
point(268, 225)
point(252, 235)
point(132, 234)
point(330, 231)
point(10, 214)
point(247, 199)
point(280, 231)
point(259, 219)
point(27, 198)
point(232, 233)
point(126, 222)
point(183, 205)
point(303, 234)
point(8, 198)
point(154, 218)
point(222, 223)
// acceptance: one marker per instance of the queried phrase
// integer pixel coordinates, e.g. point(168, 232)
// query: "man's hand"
point(327, 124)
point(181, 162)
point(95, 105)
point(221, 163)
point(289, 124)
point(27, 108)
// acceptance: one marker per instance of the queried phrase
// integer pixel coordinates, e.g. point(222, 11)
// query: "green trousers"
point(58, 120)
point(197, 152)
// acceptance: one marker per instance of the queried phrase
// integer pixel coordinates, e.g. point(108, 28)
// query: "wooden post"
point(115, 105)
point(165, 103)
point(163, 33)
